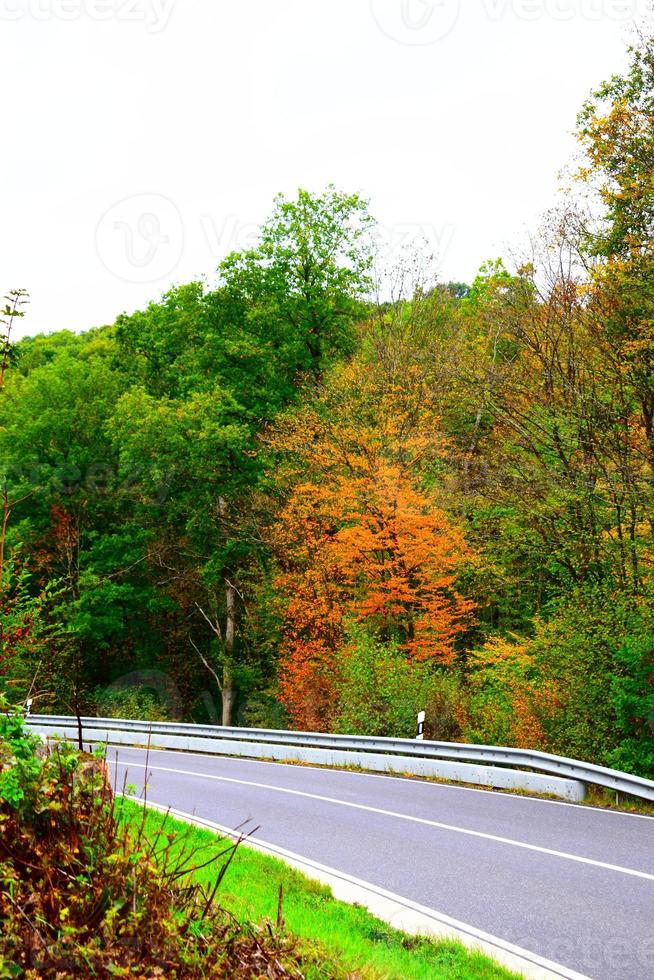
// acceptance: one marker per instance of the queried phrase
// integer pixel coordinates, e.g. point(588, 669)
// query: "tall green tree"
point(208, 370)
point(305, 284)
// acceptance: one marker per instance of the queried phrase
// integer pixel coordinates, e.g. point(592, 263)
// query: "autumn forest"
point(318, 495)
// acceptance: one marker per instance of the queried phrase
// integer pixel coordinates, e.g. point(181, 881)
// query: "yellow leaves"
point(507, 663)
point(509, 653)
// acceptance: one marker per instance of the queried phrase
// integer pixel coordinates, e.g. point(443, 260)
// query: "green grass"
point(347, 935)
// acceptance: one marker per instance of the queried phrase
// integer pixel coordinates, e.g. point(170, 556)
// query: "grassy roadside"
point(361, 945)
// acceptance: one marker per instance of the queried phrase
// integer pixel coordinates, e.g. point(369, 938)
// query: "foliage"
point(615, 129)
point(381, 692)
point(359, 538)
point(305, 282)
point(82, 893)
point(293, 502)
point(29, 640)
point(582, 686)
point(12, 311)
point(139, 703)
point(505, 692)
point(633, 697)
point(19, 763)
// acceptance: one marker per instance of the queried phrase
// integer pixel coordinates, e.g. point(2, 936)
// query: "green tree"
point(207, 371)
point(12, 311)
point(305, 284)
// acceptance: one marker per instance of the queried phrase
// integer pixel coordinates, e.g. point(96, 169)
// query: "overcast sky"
point(144, 139)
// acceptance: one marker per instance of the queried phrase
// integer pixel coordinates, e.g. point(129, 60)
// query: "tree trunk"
point(230, 631)
point(6, 513)
point(228, 696)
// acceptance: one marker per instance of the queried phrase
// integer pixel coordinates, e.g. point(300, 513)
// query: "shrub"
point(138, 703)
point(632, 692)
point(382, 691)
point(82, 894)
point(263, 710)
point(582, 686)
point(501, 695)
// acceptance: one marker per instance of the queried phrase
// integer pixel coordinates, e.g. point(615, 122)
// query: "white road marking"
point(405, 816)
point(415, 780)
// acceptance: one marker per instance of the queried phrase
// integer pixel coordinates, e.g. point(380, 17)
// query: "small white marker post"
point(421, 725)
point(28, 707)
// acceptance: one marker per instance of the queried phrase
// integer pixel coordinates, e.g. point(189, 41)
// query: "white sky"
point(144, 139)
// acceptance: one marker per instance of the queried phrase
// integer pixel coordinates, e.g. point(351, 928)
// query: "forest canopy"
point(278, 501)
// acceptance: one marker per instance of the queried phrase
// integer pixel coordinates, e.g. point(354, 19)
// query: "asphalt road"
point(572, 884)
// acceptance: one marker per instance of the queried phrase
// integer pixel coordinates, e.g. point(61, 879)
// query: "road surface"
point(572, 884)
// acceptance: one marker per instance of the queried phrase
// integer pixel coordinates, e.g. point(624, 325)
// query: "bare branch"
point(207, 665)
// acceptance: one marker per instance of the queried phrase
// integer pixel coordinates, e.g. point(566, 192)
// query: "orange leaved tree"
point(361, 539)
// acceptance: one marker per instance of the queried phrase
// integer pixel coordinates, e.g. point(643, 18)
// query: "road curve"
point(572, 884)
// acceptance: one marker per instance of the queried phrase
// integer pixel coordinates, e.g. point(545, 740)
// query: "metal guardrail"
point(540, 762)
